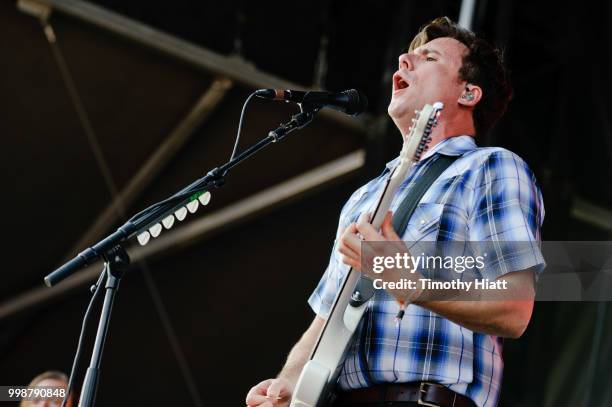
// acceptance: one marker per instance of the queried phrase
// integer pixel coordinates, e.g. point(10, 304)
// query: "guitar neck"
point(320, 372)
point(386, 199)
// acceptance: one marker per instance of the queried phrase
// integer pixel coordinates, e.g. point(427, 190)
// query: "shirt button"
point(422, 221)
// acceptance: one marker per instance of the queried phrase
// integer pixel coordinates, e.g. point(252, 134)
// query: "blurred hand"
point(270, 393)
point(352, 254)
point(362, 230)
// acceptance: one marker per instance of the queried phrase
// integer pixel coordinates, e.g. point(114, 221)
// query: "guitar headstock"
point(419, 136)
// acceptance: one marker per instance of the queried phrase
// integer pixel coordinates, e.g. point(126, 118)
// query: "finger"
point(347, 259)
point(368, 232)
point(348, 251)
point(352, 241)
point(276, 390)
point(365, 217)
point(258, 390)
point(387, 229)
point(257, 400)
point(350, 229)
point(352, 263)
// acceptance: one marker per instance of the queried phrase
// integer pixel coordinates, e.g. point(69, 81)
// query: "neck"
point(446, 129)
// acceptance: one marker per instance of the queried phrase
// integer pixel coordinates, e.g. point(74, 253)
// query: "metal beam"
point(187, 234)
point(466, 14)
point(234, 68)
point(592, 214)
point(205, 105)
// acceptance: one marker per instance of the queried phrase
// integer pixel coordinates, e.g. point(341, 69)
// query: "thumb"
point(276, 389)
point(387, 228)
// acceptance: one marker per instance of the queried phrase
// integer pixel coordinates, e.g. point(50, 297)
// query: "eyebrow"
point(426, 51)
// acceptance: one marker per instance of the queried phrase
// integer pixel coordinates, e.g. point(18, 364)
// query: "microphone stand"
point(116, 258)
point(116, 263)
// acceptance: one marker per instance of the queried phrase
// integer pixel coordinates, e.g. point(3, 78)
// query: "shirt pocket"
point(424, 224)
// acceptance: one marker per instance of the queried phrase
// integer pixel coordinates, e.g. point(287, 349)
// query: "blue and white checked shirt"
point(488, 194)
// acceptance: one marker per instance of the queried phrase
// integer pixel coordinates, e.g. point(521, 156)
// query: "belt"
point(421, 393)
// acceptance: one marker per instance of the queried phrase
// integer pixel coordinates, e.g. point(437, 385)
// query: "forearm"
point(301, 352)
point(500, 318)
point(506, 313)
point(501, 314)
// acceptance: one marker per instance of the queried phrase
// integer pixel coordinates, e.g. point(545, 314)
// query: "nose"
point(405, 62)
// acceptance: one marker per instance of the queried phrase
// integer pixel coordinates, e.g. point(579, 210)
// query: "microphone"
point(352, 102)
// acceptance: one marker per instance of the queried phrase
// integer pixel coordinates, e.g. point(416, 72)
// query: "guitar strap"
point(400, 221)
point(421, 185)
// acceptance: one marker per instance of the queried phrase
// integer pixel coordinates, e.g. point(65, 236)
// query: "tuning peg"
point(143, 238)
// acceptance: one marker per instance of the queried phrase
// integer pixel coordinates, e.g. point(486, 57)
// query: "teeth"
point(143, 238)
point(181, 213)
point(168, 221)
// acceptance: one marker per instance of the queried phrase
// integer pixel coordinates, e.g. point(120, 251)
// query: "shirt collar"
point(456, 145)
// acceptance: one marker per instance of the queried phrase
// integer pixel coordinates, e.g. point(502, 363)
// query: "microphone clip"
point(298, 121)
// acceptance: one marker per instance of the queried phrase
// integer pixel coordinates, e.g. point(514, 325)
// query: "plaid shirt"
point(488, 194)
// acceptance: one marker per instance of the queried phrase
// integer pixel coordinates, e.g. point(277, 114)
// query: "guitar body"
point(320, 373)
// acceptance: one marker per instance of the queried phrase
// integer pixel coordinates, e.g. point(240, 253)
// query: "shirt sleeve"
point(507, 214)
point(324, 294)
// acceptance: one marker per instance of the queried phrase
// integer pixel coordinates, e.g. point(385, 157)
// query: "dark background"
point(203, 322)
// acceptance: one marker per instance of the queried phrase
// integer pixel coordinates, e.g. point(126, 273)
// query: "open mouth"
point(399, 83)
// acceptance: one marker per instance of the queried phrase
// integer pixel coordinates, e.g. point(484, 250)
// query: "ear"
point(470, 96)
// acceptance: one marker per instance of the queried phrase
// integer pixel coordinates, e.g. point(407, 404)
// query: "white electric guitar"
point(320, 372)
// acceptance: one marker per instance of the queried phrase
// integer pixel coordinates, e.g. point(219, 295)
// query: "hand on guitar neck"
point(363, 231)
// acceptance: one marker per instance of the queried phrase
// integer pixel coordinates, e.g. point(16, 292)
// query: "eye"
point(430, 59)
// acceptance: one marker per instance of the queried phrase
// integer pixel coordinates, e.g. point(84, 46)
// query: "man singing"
point(443, 353)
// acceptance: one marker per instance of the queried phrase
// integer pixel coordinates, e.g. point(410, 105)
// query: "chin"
point(399, 110)
point(395, 109)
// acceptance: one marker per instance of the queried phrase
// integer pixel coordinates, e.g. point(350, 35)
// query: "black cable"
point(181, 197)
point(244, 106)
point(77, 356)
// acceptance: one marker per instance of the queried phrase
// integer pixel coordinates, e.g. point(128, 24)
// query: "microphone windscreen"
point(357, 102)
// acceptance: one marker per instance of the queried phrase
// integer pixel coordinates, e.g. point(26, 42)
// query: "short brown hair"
point(50, 374)
point(483, 65)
